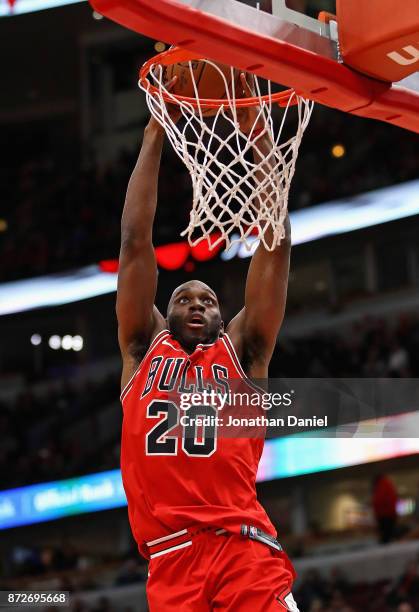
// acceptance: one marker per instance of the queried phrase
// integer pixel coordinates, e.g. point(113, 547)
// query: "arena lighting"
point(53, 500)
point(282, 458)
point(314, 223)
point(36, 339)
point(349, 214)
point(78, 343)
point(406, 507)
point(159, 46)
point(67, 342)
point(54, 342)
point(172, 256)
point(55, 289)
point(202, 251)
point(338, 151)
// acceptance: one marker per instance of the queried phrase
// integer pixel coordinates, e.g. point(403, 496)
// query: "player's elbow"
point(135, 243)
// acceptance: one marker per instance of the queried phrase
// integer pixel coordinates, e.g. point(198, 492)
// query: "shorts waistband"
point(253, 533)
point(184, 538)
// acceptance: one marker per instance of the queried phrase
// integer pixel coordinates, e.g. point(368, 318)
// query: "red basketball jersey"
point(173, 480)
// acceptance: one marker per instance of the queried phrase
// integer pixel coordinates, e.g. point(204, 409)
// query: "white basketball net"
point(241, 182)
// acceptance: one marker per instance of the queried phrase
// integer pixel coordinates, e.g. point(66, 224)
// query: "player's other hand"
point(250, 118)
point(173, 109)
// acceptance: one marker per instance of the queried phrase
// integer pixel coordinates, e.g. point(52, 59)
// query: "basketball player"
point(192, 503)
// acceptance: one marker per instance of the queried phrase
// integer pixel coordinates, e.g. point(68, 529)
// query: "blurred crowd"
point(32, 428)
point(370, 348)
point(40, 432)
point(337, 594)
point(315, 591)
point(57, 216)
point(64, 567)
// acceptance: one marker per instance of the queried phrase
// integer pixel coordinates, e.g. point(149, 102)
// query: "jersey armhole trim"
point(152, 346)
point(235, 358)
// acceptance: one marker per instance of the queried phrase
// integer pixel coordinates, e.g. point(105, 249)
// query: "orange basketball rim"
point(175, 55)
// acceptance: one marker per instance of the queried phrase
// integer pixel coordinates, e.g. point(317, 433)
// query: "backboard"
point(275, 42)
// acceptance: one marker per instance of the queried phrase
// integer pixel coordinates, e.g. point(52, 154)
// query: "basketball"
point(209, 81)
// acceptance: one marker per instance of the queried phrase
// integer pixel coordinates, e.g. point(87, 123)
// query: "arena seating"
point(32, 424)
point(61, 215)
point(117, 585)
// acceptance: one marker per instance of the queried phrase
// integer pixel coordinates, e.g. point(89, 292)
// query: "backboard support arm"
point(280, 9)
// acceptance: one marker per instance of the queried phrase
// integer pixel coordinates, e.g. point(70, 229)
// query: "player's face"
point(194, 315)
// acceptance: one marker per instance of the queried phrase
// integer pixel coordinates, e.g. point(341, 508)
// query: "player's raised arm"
point(138, 319)
point(255, 329)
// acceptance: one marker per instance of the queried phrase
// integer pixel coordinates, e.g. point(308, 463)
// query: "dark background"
point(71, 119)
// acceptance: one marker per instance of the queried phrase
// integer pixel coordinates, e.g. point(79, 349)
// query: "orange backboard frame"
point(379, 38)
point(233, 33)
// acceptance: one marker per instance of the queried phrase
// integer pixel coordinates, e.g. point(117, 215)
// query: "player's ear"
point(222, 327)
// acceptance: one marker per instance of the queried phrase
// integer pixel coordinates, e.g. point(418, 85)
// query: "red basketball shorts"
point(219, 572)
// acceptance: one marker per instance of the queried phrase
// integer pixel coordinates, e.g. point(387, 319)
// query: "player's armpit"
point(251, 349)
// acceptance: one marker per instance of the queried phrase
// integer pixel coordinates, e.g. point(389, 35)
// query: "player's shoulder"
point(234, 336)
point(138, 350)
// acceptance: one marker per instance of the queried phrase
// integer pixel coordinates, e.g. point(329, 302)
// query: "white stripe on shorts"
point(167, 550)
point(168, 537)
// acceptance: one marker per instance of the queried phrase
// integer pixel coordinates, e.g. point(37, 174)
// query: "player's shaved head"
point(192, 283)
point(193, 314)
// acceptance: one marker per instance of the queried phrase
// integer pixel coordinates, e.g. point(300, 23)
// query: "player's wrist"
point(153, 128)
point(258, 131)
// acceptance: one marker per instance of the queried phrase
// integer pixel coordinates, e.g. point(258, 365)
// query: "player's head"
point(193, 314)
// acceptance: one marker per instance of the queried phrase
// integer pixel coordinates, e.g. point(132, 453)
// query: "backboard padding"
point(274, 48)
